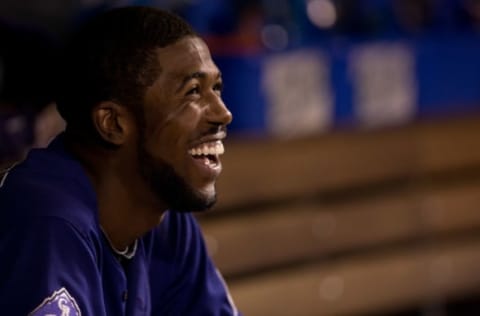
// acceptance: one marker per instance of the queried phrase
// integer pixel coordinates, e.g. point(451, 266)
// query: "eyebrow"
point(196, 75)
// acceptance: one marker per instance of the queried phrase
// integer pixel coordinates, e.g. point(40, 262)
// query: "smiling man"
point(100, 222)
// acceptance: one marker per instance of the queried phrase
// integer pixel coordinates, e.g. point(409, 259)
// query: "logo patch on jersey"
point(60, 303)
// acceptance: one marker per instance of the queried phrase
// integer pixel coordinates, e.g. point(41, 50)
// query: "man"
point(99, 223)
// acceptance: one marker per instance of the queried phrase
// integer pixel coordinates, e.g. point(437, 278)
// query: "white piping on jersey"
point(4, 177)
point(229, 296)
point(4, 173)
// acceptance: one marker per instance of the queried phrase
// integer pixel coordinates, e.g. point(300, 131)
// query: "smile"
point(208, 153)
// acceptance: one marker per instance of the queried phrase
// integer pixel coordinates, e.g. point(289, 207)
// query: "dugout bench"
point(372, 222)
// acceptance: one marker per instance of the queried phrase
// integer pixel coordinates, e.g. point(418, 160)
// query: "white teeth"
point(212, 148)
point(219, 148)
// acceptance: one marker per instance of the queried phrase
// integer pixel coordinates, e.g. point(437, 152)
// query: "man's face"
point(185, 123)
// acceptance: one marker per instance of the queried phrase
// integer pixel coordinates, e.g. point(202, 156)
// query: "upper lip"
point(209, 138)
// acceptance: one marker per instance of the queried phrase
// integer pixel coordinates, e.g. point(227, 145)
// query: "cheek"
point(166, 146)
point(169, 140)
point(169, 144)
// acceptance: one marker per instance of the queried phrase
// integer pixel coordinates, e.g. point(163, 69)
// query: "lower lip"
point(208, 170)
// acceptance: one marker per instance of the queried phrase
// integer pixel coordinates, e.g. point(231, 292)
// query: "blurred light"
point(322, 13)
point(275, 37)
point(15, 125)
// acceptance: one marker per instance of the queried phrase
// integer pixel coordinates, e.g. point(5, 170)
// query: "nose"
point(217, 112)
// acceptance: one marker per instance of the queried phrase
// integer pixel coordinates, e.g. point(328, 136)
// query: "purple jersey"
point(55, 260)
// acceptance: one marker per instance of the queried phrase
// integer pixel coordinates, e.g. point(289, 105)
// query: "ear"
point(112, 122)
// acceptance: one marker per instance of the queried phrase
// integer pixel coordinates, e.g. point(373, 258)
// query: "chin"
point(207, 192)
point(207, 204)
point(174, 191)
point(193, 203)
point(205, 197)
point(179, 193)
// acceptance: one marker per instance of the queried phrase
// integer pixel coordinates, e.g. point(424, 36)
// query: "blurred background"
point(351, 181)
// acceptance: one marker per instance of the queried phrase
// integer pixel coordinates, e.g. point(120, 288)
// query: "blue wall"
point(446, 72)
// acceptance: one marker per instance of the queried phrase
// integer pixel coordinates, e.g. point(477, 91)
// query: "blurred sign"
point(352, 84)
point(299, 94)
point(384, 84)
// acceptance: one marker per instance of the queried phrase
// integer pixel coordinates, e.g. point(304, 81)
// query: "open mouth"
point(208, 153)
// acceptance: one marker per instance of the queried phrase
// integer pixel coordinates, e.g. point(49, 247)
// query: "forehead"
point(188, 55)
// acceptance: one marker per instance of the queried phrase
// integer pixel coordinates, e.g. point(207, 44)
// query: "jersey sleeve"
point(194, 286)
point(51, 270)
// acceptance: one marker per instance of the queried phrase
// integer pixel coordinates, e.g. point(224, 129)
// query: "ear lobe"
point(111, 122)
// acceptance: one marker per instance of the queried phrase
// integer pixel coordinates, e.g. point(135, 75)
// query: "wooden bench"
point(350, 223)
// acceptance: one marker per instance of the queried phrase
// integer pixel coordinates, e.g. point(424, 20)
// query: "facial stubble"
point(168, 186)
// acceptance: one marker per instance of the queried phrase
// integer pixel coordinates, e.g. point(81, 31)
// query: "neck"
point(126, 207)
point(123, 217)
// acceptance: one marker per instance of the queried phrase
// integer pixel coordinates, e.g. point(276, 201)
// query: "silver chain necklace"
point(127, 253)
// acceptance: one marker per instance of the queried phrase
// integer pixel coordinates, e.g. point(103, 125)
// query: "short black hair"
point(112, 57)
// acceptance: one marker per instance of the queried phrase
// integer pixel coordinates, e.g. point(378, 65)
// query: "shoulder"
point(199, 288)
point(43, 235)
point(177, 228)
point(178, 238)
point(54, 256)
point(27, 193)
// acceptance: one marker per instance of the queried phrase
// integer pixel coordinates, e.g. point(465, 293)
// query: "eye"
point(193, 90)
point(218, 87)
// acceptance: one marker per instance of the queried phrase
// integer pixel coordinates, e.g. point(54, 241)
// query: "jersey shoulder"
point(47, 185)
